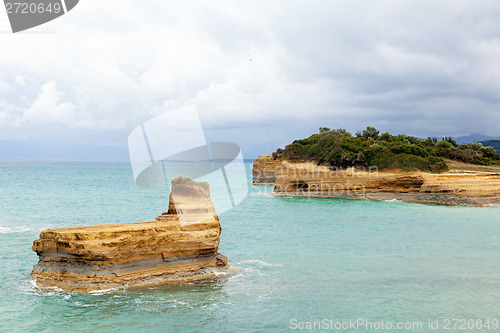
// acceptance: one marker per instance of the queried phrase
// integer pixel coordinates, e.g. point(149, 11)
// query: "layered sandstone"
point(180, 246)
point(468, 188)
point(265, 169)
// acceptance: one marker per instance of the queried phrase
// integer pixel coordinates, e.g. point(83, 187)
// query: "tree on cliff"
point(369, 133)
point(367, 148)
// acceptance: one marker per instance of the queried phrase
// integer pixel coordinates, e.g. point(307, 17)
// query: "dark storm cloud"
point(261, 71)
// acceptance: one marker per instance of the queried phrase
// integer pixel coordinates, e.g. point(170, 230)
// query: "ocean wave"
point(103, 291)
point(19, 229)
point(252, 267)
point(393, 200)
point(262, 194)
point(260, 263)
point(30, 287)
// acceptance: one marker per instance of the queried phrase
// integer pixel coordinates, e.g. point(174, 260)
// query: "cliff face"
point(265, 169)
point(180, 246)
point(450, 188)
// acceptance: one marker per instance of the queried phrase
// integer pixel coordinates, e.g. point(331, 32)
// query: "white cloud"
point(258, 63)
point(48, 109)
point(4, 87)
point(20, 80)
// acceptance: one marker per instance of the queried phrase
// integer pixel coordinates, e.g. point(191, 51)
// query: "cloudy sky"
point(261, 73)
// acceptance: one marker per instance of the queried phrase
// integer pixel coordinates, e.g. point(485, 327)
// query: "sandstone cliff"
point(180, 246)
point(469, 188)
point(265, 169)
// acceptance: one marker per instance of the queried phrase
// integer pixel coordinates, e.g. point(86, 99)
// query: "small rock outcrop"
point(180, 246)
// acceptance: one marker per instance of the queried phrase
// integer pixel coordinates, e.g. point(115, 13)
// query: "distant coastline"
point(378, 166)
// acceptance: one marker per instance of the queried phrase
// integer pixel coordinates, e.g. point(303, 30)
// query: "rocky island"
point(180, 246)
point(383, 167)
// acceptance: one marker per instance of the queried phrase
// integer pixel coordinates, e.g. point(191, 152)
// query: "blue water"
point(303, 259)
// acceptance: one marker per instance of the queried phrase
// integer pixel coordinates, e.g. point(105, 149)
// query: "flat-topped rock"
point(180, 246)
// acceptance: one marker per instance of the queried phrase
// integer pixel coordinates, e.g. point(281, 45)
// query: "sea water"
point(302, 261)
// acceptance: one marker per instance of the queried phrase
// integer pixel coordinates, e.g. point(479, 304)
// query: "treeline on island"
point(338, 147)
point(492, 143)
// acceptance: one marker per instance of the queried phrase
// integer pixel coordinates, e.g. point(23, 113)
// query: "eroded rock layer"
point(466, 188)
point(180, 246)
point(265, 169)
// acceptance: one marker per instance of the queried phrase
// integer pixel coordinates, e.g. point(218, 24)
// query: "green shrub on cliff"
point(368, 148)
point(410, 149)
point(386, 136)
point(495, 144)
point(370, 133)
point(444, 144)
point(489, 152)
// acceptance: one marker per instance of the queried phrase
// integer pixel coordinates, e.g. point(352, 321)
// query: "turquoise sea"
point(300, 260)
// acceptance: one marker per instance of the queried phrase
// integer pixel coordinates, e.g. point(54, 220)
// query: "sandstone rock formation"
point(303, 178)
point(180, 246)
point(265, 169)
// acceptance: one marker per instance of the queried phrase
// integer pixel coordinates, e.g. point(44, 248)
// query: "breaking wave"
point(393, 200)
point(19, 229)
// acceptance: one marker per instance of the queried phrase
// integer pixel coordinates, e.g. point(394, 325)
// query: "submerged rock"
point(180, 246)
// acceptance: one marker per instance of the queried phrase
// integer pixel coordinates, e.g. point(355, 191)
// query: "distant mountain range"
point(33, 151)
point(487, 141)
point(474, 138)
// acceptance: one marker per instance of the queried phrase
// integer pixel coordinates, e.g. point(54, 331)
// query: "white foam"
point(260, 263)
point(103, 291)
point(31, 287)
point(18, 229)
point(219, 273)
point(393, 200)
point(261, 194)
